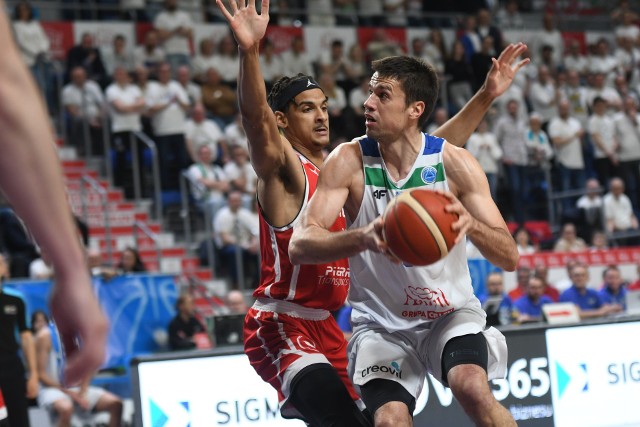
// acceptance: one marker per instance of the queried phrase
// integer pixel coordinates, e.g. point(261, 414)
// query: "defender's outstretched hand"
point(247, 25)
point(503, 70)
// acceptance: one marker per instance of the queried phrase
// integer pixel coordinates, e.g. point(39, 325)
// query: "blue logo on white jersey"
point(429, 174)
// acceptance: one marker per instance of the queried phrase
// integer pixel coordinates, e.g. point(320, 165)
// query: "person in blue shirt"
point(613, 291)
point(529, 306)
point(588, 300)
point(494, 284)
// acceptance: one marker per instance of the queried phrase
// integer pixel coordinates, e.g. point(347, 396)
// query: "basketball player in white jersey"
point(291, 338)
point(31, 179)
point(409, 320)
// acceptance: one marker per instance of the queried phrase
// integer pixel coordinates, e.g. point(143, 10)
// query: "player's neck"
point(313, 154)
point(400, 155)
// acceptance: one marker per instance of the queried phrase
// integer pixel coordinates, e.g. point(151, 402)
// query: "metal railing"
point(157, 190)
point(144, 228)
point(104, 200)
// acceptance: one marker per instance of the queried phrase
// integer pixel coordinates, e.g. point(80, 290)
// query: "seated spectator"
point(241, 175)
point(522, 278)
point(509, 16)
point(523, 241)
point(87, 56)
point(528, 307)
point(130, 262)
point(460, 76)
point(270, 63)
point(618, 211)
point(119, 56)
point(175, 31)
point(336, 103)
point(357, 97)
point(590, 210)
point(202, 131)
point(204, 60)
point(542, 272)
point(227, 61)
point(599, 241)
point(483, 145)
point(494, 285)
point(184, 327)
point(236, 303)
point(150, 55)
point(539, 148)
point(83, 101)
point(439, 118)
point(15, 242)
point(565, 283)
point(98, 267)
point(234, 134)
point(64, 401)
point(613, 290)
point(355, 67)
point(219, 98)
point(588, 300)
point(332, 62)
point(569, 240)
point(183, 77)
point(575, 60)
point(236, 229)
point(212, 182)
point(296, 60)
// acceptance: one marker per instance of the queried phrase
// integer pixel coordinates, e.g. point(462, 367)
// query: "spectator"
point(565, 283)
point(494, 285)
point(87, 56)
point(84, 103)
point(204, 60)
point(296, 60)
point(130, 262)
point(617, 13)
point(355, 67)
point(599, 88)
point(439, 117)
point(126, 103)
point(434, 51)
point(539, 152)
point(175, 33)
point(332, 62)
point(578, 97)
point(97, 266)
point(575, 60)
point(460, 77)
point(544, 96)
point(529, 307)
point(510, 132)
point(485, 28)
point(618, 212)
point(336, 103)
point(522, 278)
point(509, 17)
point(371, 13)
point(588, 300)
point(119, 56)
point(483, 145)
point(599, 242)
point(628, 57)
point(566, 135)
point(15, 386)
point(381, 45)
point(628, 28)
point(542, 272)
point(134, 10)
point(202, 131)
point(236, 302)
point(613, 290)
point(357, 97)
point(523, 242)
point(395, 12)
point(602, 130)
point(569, 240)
point(623, 89)
point(590, 209)
point(193, 91)
point(481, 62)
point(550, 36)
point(15, 242)
point(602, 62)
point(219, 98)
point(270, 63)
point(227, 62)
point(53, 396)
point(168, 103)
point(242, 177)
point(184, 326)
point(470, 38)
point(236, 229)
point(212, 182)
point(627, 127)
point(320, 13)
point(150, 55)
point(235, 135)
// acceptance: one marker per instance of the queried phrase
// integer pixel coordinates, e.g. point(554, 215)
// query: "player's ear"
point(416, 109)
point(281, 119)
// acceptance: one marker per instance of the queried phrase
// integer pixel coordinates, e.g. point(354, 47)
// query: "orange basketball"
point(417, 228)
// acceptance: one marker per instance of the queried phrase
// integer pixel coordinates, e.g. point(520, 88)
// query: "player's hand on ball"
point(465, 221)
point(374, 240)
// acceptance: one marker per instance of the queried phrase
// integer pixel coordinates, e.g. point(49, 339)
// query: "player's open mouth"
point(321, 130)
point(369, 119)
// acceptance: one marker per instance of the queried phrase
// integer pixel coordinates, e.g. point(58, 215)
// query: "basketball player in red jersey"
point(291, 338)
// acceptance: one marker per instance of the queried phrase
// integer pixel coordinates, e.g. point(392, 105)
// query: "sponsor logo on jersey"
point(429, 174)
point(379, 194)
point(393, 368)
point(425, 296)
point(335, 276)
point(431, 315)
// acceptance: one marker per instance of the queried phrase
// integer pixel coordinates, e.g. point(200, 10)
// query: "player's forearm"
point(252, 95)
point(315, 245)
point(459, 128)
point(496, 245)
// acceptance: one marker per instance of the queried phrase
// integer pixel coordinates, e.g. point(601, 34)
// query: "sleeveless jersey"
point(398, 296)
point(322, 286)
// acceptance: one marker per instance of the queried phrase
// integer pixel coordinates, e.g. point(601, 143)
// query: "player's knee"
point(469, 384)
point(392, 414)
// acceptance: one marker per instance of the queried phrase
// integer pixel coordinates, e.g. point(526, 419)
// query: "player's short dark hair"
point(279, 87)
point(418, 80)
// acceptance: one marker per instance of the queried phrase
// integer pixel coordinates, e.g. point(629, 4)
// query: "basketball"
point(417, 228)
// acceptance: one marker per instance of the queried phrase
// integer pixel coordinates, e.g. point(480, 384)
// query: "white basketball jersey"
point(395, 296)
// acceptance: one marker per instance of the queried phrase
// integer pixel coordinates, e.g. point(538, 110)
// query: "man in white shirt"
point(126, 103)
point(241, 175)
point(602, 130)
point(202, 131)
point(183, 76)
point(543, 95)
point(118, 55)
point(235, 135)
point(175, 32)
point(599, 88)
point(209, 183)
point(574, 60)
point(150, 54)
point(619, 212)
point(627, 126)
point(204, 60)
point(167, 104)
point(296, 59)
point(84, 103)
point(566, 134)
point(550, 36)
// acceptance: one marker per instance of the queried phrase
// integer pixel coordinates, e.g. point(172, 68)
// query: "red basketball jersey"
point(322, 286)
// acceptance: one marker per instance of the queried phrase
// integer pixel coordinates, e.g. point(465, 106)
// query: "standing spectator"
point(613, 290)
point(566, 135)
point(627, 127)
point(470, 38)
point(126, 103)
point(395, 12)
point(578, 97)
point(355, 66)
point(202, 131)
point(628, 28)
point(509, 17)
point(242, 177)
point(236, 229)
point(482, 61)
point(485, 28)
point(296, 60)
point(569, 240)
point(529, 307)
point(87, 56)
point(270, 63)
point(184, 326)
point(434, 51)
point(603, 62)
point(522, 278)
point(510, 131)
point(599, 88)
point(204, 60)
point(370, 13)
point(150, 55)
point(134, 10)
point(168, 103)
point(628, 57)
point(588, 300)
point(15, 385)
point(590, 209)
point(544, 96)
point(539, 151)
point(618, 211)
point(332, 62)
point(193, 91)
point(234, 134)
point(523, 241)
point(320, 13)
point(541, 271)
point(119, 56)
point(227, 62)
point(439, 117)
point(483, 145)
point(575, 60)
point(550, 36)
point(219, 98)
point(460, 77)
point(174, 32)
point(336, 103)
point(602, 130)
point(84, 103)
point(209, 183)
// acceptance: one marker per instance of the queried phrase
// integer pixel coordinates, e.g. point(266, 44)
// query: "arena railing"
point(104, 201)
point(139, 226)
point(146, 140)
